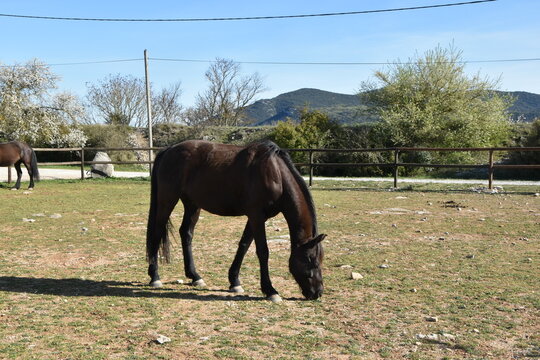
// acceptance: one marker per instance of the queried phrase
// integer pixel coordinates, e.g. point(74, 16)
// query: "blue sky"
point(504, 29)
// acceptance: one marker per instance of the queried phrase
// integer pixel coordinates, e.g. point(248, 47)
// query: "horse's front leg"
point(259, 233)
point(19, 176)
point(191, 216)
point(234, 271)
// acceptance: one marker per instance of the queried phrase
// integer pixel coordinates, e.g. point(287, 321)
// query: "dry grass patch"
point(75, 286)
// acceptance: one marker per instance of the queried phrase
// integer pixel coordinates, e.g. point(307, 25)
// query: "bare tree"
point(119, 99)
point(228, 93)
point(166, 105)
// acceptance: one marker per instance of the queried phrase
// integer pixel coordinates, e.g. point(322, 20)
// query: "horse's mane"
point(270, 148)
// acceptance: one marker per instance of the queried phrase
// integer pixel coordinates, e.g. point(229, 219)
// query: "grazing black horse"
point(258, 181)
point(15, 153)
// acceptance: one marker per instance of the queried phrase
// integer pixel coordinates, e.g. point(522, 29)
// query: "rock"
point(162, 339)
point(432, 319)
point(28, 220)
point(345, 267)
point(102, 170)
point(428, 337)
point(179, 281)
point(55, 216)
point(384, 266)
point(471, 256)
point(413, 290)
point(448, 336)
point(356, 276)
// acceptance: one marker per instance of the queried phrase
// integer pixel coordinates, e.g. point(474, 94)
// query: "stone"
point(356, 276)
point(432, 319)
point(55, 216)
point(384, 266)
point(162, 339)
point(28, 220)
point(102, 170)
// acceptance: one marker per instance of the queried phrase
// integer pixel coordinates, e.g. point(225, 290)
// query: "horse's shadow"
point(92, 288)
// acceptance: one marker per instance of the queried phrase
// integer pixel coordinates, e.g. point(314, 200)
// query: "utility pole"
point(148, 110)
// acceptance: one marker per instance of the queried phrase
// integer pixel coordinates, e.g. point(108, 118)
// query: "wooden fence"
point(490, 164)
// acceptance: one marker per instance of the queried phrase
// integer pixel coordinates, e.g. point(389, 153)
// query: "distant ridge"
point(346, 108)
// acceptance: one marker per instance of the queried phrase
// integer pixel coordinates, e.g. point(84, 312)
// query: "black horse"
point(258, 181)
point(15, 153)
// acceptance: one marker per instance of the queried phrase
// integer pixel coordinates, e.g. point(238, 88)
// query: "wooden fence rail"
point(490, 165)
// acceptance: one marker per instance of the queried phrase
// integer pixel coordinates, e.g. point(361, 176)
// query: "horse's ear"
point(317, 239)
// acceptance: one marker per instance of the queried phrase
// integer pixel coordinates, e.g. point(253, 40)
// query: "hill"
point(346, 108)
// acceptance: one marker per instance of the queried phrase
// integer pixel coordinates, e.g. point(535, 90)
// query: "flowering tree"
point(31, 112)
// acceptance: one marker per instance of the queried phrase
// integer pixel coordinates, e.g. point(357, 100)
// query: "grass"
point(75, 286)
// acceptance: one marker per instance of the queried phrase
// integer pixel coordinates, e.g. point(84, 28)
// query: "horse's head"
point(305, 265)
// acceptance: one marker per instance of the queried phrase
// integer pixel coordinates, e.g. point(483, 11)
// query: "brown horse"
point(258, 181)
point(15, 153)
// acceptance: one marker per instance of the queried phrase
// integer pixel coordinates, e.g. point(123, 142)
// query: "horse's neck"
point(296, 211)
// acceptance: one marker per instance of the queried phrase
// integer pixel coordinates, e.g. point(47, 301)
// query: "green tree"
point(315, 130)
point(430, 101)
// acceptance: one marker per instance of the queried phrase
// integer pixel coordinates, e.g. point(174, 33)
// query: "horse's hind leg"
point(234, 271)
point(191, 216)
point(30, 174)
point(158, 230)
point(17, 166)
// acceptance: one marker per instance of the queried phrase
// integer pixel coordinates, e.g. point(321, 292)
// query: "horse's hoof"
point(236, 289)
point(276, 299)
point(199, 283)
point(156, 284)
point(30, 189)
point(14, 189)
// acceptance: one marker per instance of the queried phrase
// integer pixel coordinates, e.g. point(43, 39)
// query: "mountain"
point(346, 108)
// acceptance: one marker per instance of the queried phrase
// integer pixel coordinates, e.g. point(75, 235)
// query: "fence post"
point(310, 168)
point(82, 163)
point(490, 170)
point(396, 161)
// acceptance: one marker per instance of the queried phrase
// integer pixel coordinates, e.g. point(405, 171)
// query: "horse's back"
point(220, 178)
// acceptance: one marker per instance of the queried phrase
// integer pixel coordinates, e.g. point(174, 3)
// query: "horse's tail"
point(33, 165)
point(157, 239)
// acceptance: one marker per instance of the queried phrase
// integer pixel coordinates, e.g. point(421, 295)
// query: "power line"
point(277, 62)
point(345, 63)
point(248, 17)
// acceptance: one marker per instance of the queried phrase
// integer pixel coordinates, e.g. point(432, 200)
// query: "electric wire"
point(361, 12)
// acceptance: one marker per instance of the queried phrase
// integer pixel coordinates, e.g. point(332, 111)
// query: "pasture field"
point(445, 275)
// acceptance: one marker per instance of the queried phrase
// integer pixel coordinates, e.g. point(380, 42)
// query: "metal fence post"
point(490, 170)
point(396, 161)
